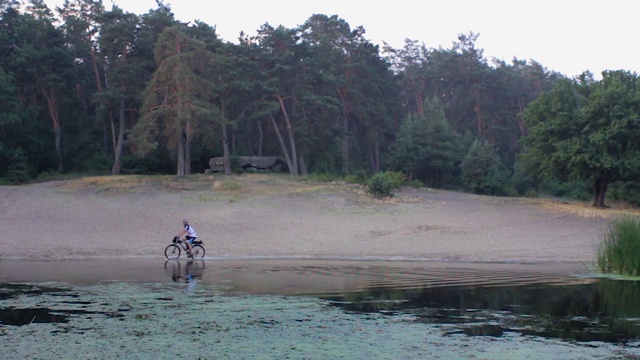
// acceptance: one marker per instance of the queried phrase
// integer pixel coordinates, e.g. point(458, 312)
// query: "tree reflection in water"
point(605, 310)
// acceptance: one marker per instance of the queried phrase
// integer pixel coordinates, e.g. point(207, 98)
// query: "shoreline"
point(277, 275)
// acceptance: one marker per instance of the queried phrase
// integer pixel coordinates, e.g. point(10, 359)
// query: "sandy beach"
point(266, 216)
point(273, 244)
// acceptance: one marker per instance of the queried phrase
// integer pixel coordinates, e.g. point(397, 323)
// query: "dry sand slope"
point(267, 216)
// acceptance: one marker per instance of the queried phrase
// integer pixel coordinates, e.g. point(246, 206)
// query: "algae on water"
point(168, 321)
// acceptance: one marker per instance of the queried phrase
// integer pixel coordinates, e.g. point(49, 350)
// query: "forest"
point(88, 90)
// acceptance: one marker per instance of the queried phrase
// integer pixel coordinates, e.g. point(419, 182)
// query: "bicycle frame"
point(197, 248)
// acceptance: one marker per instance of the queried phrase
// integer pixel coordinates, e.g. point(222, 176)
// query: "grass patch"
point(322, 178)
point(56, 176)
point(619, 252)
point(227, 185)
point(124, 183)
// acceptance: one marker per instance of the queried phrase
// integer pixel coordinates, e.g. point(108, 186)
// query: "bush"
point(619, 251)
point(99, 162)
point(625, 191)
point(416, 184)
point(397, 178)
point(382, 184)
point(19, 169)
point(357, 177)
point(483, 171)
point(137, 165)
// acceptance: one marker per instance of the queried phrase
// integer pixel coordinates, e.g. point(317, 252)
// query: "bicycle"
point(173, 251)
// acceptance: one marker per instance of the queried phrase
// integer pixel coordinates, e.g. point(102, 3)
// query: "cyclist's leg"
point(189, 242)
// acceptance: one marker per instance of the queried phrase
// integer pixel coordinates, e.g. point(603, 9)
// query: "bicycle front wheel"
point(172, 251)
point(198, 251)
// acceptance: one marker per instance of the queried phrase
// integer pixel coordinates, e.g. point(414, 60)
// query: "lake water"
point(310, 309)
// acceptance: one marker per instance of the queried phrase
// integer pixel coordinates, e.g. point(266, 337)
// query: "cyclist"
point(189, 234)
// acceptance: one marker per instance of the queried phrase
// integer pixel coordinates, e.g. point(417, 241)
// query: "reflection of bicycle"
point(172, 251)
point(193, 270)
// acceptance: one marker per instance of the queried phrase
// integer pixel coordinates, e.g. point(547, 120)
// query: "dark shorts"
point(190, 239)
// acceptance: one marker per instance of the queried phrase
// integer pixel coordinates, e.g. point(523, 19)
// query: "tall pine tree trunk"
point(58, 135)
point(345, 140)
point(96, 74)
point(105, 140)
point(283, 146)
point(476, 108)
point(302, 164)
point(52, 106)
point(122, 122)
point(420, 103)
point(343, 95)
point(180, 170)
point(187, 148)
point(292, 142)
point(225, 149)
point(374, 157)
point(225, 140)
point(260, 138)
point(117, 162)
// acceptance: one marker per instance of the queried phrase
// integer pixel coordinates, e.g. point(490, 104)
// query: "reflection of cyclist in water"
point(193, 270)
point(172, 267)
point(189, 276)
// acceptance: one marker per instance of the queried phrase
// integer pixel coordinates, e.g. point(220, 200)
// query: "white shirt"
point(190, 231)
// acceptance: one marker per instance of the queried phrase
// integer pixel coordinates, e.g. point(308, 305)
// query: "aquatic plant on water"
point(619, 251)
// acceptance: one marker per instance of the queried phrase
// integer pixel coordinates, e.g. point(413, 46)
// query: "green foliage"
point(325, 162)
point(416, 184)
point(396, 178)
point(97, 163)
point(480, 99)
point(357, 177)
point(235, 165)
point(427, 148)
point(382, 184)
point(41, 65)
point(482, 170)
point(627, 191)
point(586, 130)
point(619, 251)
point(178, 101)
point(355, 85)
point(145, 165)
point(19, 169)
point(322, 177)
point(571, 189)
point(523, 183)
point(10, 109)
point(349, 106)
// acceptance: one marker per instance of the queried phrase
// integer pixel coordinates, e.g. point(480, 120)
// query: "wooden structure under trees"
point(272, 163)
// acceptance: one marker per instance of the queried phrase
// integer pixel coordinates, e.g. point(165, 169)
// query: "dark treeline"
point(85, 89)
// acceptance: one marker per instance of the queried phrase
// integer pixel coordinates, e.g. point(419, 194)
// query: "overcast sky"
point(568, 36)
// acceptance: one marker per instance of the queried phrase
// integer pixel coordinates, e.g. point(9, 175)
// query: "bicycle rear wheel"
point(172, 251)
point(198, 251)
